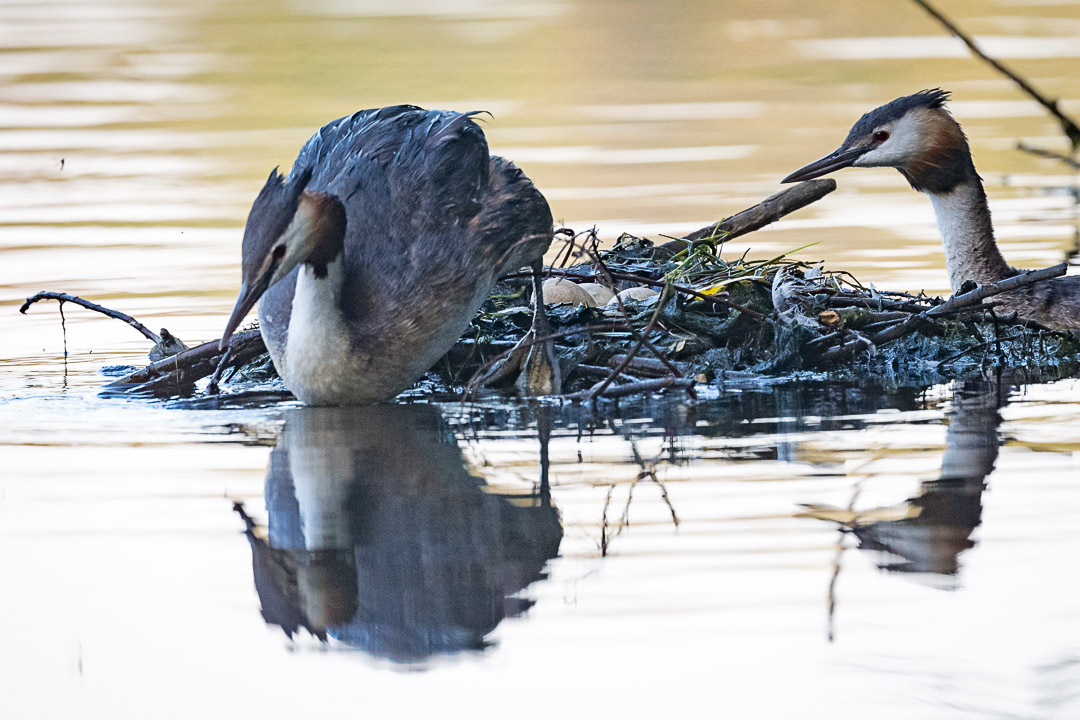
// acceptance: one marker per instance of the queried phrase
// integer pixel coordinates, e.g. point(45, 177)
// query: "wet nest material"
point(713, 319)
point(684, 316)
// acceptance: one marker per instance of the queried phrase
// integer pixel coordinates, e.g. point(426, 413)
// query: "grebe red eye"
point(279, 251)
point(881, 136)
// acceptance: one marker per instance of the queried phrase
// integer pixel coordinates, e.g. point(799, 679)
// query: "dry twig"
point(76, 300)
point(1048, 154)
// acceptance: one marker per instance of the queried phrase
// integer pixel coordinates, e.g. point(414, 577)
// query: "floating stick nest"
point(714, 320)
point(709, 320)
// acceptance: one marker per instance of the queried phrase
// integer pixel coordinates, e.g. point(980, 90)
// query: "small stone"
point(600, 293)
point(561, 290)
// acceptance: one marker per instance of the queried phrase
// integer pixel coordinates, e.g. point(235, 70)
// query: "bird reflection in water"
point(380, 538)
point(943, 515)
point(927, 533)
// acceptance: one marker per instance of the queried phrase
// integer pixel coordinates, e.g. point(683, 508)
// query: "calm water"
point(796, 550)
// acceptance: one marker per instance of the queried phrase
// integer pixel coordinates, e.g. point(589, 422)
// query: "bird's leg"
point(540, 369)
point(536, 362)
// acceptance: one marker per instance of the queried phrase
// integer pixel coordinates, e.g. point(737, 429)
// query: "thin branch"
point(63, 331)
point(476, 376)
point(219, 371)
point(569, 244)
point(952, 305)
point(634, 388)
point(602, 372)
point(664, 496)
point(603, 385)
point(76, 300)
point(754, 218)
point(604, 521)
point(976, 296)
point(647, 367)
point(1048, 154)
point(975, 348)
point(1068, 126)
point(643, 339)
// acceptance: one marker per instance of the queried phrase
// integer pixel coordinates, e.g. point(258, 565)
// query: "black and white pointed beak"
point(249, 295)
point(842, 158)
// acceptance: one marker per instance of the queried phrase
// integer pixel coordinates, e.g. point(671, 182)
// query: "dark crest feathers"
point(280, 195)
point(272, 212)
point(930, 99)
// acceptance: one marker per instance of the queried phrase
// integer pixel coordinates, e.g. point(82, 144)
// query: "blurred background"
point(134, 134)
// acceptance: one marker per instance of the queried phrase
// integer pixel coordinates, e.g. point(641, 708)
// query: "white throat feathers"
point(967, 234)
point(318, 351)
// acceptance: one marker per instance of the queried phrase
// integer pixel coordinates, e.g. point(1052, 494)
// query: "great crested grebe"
point(918, 136)
point(374, 254)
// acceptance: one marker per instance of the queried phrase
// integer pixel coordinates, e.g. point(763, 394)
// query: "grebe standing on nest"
point(373, 256)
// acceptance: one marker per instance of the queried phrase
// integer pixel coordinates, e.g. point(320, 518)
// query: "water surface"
point(800, 549)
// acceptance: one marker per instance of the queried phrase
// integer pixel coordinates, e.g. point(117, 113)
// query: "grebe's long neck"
point(967, 233)
point(317, 351)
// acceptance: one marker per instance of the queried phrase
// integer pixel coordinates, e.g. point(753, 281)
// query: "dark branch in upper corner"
point(1068, 126)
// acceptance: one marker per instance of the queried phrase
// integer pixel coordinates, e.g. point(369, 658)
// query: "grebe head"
point(915, 134)
point(288, 225)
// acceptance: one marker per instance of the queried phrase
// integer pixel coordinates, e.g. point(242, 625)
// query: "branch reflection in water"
point(380, 538)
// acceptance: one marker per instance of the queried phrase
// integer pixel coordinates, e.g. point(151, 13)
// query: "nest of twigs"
point(711, 319)
point(714, 318)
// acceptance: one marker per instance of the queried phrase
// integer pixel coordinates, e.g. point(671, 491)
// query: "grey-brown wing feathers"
point(431, 216)
point(1053, 303)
